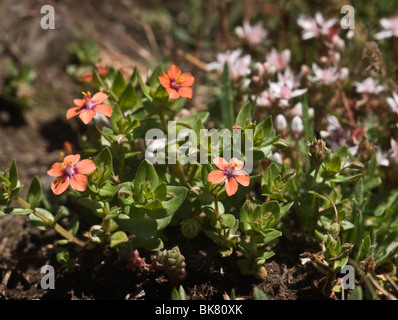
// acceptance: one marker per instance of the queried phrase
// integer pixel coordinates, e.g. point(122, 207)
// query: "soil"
point(34, 138)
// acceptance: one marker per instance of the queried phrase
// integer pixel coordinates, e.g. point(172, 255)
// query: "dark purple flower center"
point(69, 170)
point(175, 85)
point(229, 172)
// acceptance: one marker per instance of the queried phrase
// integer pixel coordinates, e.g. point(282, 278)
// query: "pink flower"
point(393, 102)
point(335, 135)
point(251, 34)
point(88, 107)
point(368, 86)
point(238, 66)
point(313, 28)
point(393, 152)
point(72, 172)
point(278, 61)
point(327, 75)
point(390, 26)
point(230, 173)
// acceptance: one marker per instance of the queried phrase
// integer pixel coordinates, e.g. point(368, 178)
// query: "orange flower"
point(87, 107)
point(72, 172)
point(177, 84)
point(230, 173)
point(101, 68)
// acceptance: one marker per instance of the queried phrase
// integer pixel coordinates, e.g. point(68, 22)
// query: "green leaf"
point(153, 80)
point(13, 175)
point(145, 227)
point(105, 157)
point(128, 99)
point(146, 175)
point(178, 195)
point(244, 114)
point(35, 193)
point(17, 211)
point(258, 294)
point(227, 107)
point(333, 167)
point(356, 294)
point(307, 121)
point(118, 238)
point(119, 83)
point(38, 222)
point(144, 87)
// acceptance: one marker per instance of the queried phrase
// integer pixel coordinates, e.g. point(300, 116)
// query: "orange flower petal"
point(242, 177)
point(236, 163)
point(216, 176)
point(164, 80)
point(85, 166)
point(99, 97)
point(173, 94)
point(59, 185)
point(87, 115)
point(88, 76)
point(56, 170)
point(221, 163)
point(173, 72)
point(72, 112)
point(78, 182)
point(73, 159)
point(102, 71)
point(188, 79)
point(79, 102)
point(231, 186)
point(185, 92)
point(104, 109)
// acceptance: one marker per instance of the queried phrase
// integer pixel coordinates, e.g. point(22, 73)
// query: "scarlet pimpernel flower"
point(230, 173)
point(89, 106)
point(70, 172)
point(177, 84)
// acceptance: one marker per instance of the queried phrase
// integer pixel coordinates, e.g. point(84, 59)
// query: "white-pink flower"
point(238, 66)
point(278, 61)
point(315, 27)
point(334, 134)
point(390, 26)
point(393, 102)
point(251, 34)
point(393, 152)
point(284, 92)
point(327, 75)
point(266, 98)
point(369, 86)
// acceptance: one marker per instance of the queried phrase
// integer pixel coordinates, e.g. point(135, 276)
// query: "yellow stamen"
point(179, 79)
point(88, 94)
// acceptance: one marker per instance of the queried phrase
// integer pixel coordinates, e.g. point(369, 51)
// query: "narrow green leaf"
point(35, 193)
point(13, 175)
point(17, 211)
point(227, 107)
point(307, 121)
